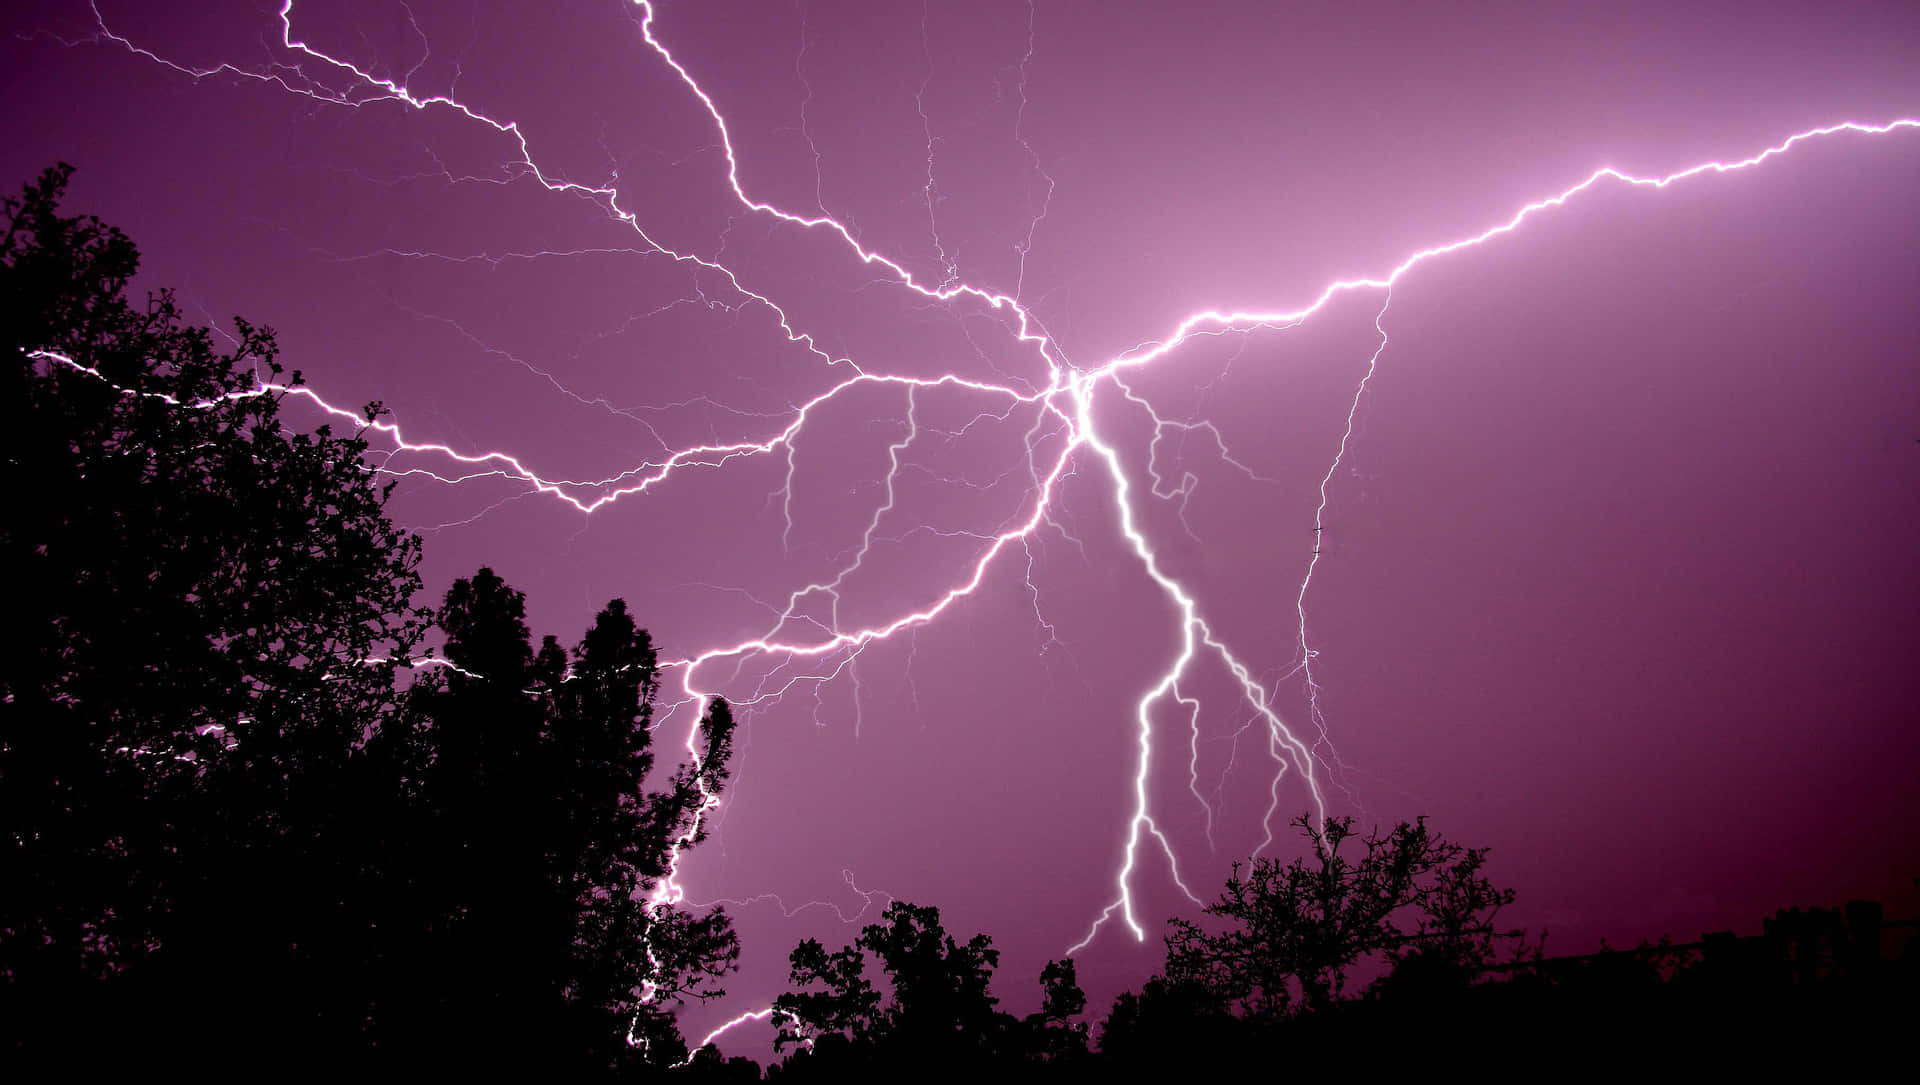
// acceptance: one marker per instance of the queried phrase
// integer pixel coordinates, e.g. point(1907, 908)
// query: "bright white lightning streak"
point(750, 1015)
point(1068, 396)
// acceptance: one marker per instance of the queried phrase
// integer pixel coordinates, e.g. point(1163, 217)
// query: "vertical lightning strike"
point(1067, 398)
point(806, 130)
point(1025, 247)
point(1194, 632)
point(1314, 713)
point(930, 193)
point(1193, 706)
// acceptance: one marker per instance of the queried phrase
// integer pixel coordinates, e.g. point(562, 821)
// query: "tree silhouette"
point(1269, 971)
point(201, 591)
point(229, 838)
point(533, 846)
point(1164, 1025)
point(940, 1012)
point(1294, 931)
point(1053, 1034)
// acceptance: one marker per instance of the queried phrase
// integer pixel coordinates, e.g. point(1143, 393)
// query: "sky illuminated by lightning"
point(790, 356)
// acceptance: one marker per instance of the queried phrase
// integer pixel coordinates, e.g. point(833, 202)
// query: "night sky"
point(1614, 570)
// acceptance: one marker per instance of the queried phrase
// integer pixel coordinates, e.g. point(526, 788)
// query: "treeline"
point(1368, 955)
point(243, 832)
point(230, 831)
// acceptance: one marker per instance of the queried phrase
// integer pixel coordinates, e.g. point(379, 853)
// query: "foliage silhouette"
point(533, 845)
point(940, 1011)
point(1413, 901)
point(201, 588)
point(1271, 984)
point(228, 834)
point(1163, 1025)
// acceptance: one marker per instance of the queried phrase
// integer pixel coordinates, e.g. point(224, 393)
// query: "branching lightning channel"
point(1314, 712)
point(1066, 403)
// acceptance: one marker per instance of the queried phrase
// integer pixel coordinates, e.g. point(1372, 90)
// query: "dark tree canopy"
point(940, 1013)
point(228, 833)
point(1292, 932)
point(534, 847)
point(1268, 970)
point(200, 590)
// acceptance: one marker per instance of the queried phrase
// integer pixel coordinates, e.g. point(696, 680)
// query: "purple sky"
point(1616, 574)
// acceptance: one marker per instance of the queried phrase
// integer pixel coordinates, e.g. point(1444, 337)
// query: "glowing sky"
point(1613, 575)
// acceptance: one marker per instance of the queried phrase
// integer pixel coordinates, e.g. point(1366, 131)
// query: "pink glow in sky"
point(889, 421)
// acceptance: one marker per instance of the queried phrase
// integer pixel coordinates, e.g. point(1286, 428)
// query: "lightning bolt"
point(751, 1015)
point(1063, 435)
